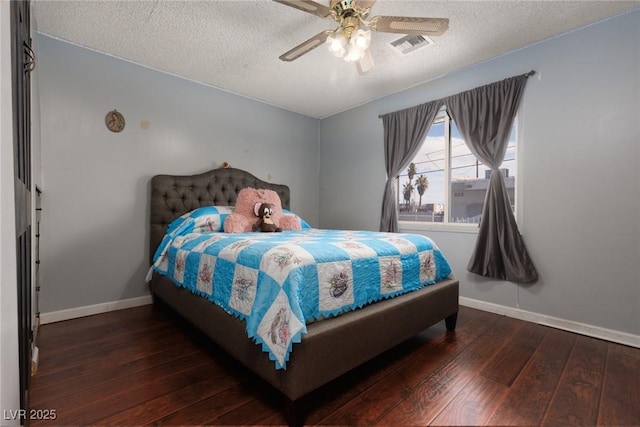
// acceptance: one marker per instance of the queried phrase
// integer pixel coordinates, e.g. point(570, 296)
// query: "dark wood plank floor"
point(146, 366)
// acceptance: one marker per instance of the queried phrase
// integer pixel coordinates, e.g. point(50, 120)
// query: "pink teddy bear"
point(243, 219)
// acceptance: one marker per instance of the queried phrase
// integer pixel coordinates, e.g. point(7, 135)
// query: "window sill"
point(410, 226)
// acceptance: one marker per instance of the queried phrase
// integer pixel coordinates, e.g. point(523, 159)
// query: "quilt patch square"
point(282, 259)
point(243, 292)
point(427, 266)
point(163, 263)
point(390, 274)
point(335, 285)
point(404, 246)
point(356, 249)
point(205, 243)
point(231, 251)
point(179, 266)
point(279, 327)
point(204, 281)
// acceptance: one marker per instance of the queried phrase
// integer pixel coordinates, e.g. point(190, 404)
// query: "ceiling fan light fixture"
point(354, 53)
point(337, 45)
point(358, 45)
point(350, 49)
point(361, 39)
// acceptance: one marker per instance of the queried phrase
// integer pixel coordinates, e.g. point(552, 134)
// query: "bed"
point(329, 347)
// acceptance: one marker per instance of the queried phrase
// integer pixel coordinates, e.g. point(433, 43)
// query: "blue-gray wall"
point(578, 182)
point(95, 182)
point(579, 157)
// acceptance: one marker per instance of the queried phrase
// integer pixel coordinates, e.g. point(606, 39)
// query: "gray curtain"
point(404, 132)
point(484, 117)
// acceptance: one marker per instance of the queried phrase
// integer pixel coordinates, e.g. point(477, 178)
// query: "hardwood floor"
point(145, 366)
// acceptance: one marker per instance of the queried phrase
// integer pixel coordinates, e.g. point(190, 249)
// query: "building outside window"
point(445, 183)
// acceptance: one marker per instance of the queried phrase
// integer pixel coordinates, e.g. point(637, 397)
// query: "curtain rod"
point(529, 74)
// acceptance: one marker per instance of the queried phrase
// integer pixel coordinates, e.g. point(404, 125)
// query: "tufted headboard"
point(175, 195)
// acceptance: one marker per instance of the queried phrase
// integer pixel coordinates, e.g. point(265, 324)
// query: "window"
point(444, 182)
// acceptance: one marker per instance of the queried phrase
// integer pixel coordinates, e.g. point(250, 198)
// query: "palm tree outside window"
point(422, 185)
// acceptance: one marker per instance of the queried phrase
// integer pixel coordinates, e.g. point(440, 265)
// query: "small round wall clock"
point(114, 121)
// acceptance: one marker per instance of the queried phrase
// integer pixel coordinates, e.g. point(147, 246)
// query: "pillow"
point(206, 219)
point(243, 217)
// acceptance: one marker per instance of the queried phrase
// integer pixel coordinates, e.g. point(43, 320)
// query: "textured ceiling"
point(234, 45)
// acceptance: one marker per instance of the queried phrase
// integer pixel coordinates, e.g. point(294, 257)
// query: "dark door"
point(22, 64)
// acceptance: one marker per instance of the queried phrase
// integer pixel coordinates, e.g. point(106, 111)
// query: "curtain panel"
point(404, 132)
point(484, 116)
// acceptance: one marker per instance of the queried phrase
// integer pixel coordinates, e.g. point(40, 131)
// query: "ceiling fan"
point(350, 40)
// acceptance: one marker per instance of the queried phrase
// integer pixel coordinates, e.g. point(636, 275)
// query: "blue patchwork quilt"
point(277, 282)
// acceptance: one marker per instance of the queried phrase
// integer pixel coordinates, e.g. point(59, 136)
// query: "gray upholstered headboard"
point(175, 195)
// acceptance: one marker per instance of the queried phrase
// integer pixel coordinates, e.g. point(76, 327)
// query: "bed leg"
point(450, 321)
point(293, 412)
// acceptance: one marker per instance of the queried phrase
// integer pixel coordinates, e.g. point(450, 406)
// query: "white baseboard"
point(555, 322)
point(73, 313)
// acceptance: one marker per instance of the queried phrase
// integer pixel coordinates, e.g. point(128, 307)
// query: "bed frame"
point(331, 347)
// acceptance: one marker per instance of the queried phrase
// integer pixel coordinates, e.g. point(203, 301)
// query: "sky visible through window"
point(430, 162)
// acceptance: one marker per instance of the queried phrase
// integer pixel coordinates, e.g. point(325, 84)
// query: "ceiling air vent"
point(410, 43)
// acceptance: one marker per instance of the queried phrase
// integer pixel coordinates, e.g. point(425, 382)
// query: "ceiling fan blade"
point(362, 5)
point(308, 6)
point(409, 25)
point(306, 47)
point(365, 64)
